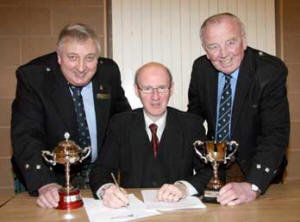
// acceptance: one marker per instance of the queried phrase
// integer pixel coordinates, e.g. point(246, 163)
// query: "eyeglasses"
point(150, 90)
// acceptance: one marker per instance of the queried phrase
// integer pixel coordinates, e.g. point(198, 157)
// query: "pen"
point(115, 182)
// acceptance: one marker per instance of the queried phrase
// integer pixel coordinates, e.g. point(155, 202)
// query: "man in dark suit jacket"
point(43, 109)
point(129, 144)
point(259, 118)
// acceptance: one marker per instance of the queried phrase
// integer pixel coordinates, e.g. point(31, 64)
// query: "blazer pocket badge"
point(103, 92)
point(103, 96)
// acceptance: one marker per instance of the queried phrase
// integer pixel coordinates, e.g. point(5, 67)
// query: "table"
point(4, 198)
point(280, 203)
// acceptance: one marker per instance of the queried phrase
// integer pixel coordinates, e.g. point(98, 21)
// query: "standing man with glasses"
point(71, 90)
point(151, 146)
point(241, 93)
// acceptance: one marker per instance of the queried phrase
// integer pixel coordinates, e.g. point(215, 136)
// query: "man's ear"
point(171, 89)
point(245, 42)
point(58, 57)
point(136, 90)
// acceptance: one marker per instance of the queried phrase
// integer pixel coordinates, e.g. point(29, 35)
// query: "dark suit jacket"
point(260, 116)
point(127, 150)
point(43, 111)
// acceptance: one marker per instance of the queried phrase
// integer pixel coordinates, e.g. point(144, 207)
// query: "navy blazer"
point(127, 150)
point(43, 111)
point(260, 116)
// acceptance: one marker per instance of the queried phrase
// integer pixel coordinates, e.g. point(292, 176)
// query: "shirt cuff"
point(189, 187)
point(101, 190)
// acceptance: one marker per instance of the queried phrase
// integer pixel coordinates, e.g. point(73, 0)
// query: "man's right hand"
point(114, 197)
point(48, 195)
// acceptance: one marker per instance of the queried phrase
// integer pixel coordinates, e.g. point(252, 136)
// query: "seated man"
point(151, 146)
point(73, 90)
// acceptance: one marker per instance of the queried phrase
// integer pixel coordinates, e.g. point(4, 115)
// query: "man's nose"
point(223, 51)
point(155, 93)
point(81, 65)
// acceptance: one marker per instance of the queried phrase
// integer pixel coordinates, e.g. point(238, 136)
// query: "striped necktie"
point(223, 123)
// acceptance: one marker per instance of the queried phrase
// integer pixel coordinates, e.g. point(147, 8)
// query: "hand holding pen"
point(114, 196)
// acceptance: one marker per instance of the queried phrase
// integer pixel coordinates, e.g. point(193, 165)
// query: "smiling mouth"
point(80, 74)
point(226, 61)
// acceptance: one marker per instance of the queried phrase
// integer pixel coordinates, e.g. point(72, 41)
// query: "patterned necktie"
point(83, 130)
point(223, 127)
point(154, 140)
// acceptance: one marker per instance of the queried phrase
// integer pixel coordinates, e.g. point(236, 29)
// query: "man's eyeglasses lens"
point(149, 90)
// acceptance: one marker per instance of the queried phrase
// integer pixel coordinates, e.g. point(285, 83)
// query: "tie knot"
point(227, 78)
point(153, 127)
point(76, 89)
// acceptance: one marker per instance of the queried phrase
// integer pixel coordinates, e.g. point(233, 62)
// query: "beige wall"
point(28, 29)
point(288, 13)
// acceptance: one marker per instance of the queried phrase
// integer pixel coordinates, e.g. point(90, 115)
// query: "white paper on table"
point(189, 202)
point(97, 212)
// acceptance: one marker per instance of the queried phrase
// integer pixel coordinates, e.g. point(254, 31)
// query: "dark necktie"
point(223, 127)
point(83, 130)
point(154, 140)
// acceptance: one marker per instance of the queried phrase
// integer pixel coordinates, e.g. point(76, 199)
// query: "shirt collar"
point(161, 122)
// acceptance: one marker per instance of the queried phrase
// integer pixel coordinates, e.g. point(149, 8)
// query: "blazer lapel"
point(212, 84)
point(102, 102)
point(171, 145)
point(62, 100)
point(139, 145)
point(242, 88)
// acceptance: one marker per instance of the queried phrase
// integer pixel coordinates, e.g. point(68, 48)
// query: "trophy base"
point(210, 196)
point(69, 200)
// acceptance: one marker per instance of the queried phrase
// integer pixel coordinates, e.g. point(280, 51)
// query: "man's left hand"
point(171, 192)
point(236, 193)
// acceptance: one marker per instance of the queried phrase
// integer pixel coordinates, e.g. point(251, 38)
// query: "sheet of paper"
point(149, 197)
point(99, 213)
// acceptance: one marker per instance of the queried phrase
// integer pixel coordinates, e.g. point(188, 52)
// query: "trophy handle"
point(199, 143)
point(85, 153)
point(235, 146)
point(46, 154)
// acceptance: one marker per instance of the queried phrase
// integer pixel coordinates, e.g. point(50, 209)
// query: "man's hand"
point(48, 195)
point(114, 197)
point(236, 193)
point(171, 192)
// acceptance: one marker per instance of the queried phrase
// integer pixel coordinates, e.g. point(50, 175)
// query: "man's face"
point(155, 103)
point(224, 45)
point(78, 61)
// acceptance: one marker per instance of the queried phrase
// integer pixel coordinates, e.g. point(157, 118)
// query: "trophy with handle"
point(67, 153)
point(216, 153)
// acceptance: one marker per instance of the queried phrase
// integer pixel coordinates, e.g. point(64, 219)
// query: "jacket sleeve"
point(107, 161)
point(273, 137)
point(28, 134)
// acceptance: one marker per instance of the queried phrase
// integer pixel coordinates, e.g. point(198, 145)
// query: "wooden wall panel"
point(290, 37)
point(29, 29)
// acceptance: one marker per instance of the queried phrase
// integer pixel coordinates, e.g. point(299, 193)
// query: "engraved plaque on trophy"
point(67, 153)
point(216, 153)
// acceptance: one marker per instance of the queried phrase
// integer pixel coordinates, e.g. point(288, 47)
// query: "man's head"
point(224, 40)
point(154, 87)
point(78, 49)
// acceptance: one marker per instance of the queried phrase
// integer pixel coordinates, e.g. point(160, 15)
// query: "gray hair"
point(152, 64)
point(78, 32)
point(217, 19)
